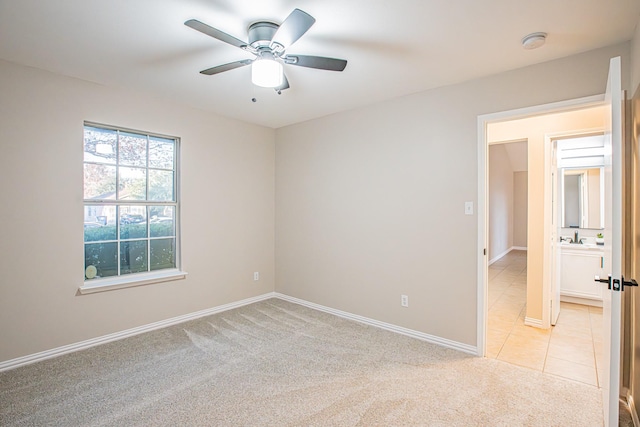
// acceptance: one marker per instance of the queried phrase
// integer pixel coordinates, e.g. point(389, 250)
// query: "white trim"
point(82, 345)
point(581, 300)
point(482, 288)
point(497, 257)
point(128, 281)
point(465, 348)
point(578, 294)
point(536, 110)
point(536, 323)
point(483, 121)
point(512, 248)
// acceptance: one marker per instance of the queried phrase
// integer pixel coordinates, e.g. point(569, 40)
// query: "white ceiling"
point(393, 48)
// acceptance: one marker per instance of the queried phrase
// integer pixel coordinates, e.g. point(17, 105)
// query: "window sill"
point(120, 282)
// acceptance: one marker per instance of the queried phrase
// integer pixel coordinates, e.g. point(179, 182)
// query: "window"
point(130, 204)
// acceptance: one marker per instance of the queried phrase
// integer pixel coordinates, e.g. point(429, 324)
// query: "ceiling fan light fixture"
point(266, 72)
point(268, 42)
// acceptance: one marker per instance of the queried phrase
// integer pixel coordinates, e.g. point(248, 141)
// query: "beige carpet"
point(280, 364)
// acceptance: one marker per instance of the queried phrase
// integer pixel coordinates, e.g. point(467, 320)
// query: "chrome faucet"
point(575, 238)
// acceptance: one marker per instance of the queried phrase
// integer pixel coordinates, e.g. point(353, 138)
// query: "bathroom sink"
point(580, 245)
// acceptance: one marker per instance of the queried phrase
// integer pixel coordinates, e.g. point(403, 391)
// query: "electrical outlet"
point(404, 300)
point(256, 275)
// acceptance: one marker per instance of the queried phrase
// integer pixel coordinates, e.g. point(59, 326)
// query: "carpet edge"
point(443, 342)
point(82, 345)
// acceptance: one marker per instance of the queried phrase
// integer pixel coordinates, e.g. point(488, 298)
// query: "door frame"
point(483, 208)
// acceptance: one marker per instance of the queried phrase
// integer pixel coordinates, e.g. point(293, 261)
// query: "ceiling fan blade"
point(296, 24)
point(284, 85)
point(215, 33)
point(318, 62)
point(226, 67)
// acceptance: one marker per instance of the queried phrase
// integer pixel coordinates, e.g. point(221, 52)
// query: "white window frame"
point(144, 278)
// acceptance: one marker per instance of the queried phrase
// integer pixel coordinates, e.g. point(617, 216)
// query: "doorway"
point(568, 350)
point(539, 303)
point(507, 127)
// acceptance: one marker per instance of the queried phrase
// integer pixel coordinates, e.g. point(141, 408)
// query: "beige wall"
point(635, 62)
point(520, 207)
point(593, 212)
point(370, 202)
point(227, 183)
point(507, 202)
point(535, 130)
point(500, 237)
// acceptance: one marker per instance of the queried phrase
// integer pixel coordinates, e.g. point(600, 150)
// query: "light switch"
point(468, 208)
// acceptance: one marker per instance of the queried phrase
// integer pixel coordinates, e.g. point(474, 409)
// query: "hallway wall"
point(501, 202)
point(534, 130)
point(520, 208)
point(635, 61)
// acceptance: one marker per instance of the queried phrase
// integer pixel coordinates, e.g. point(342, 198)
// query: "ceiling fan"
point(269, 41)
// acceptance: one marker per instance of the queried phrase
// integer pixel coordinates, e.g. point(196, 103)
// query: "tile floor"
point(571, 349)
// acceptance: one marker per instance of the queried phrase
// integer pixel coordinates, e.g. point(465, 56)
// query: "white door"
point(613, 246)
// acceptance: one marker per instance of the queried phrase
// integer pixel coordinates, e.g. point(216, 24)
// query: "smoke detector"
point(534, 40)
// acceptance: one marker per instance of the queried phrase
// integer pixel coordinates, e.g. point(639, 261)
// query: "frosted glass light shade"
point(266, 72)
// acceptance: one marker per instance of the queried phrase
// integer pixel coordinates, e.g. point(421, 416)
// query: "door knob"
point(618, 284)
point(631, 282)
point(608, 280)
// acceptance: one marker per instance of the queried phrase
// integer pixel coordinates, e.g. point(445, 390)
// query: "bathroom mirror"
point(583, 198)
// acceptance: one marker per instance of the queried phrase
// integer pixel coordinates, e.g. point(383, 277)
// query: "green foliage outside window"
point(130, 197)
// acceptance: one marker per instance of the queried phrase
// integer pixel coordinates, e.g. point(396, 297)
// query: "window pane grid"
point(94, 242)
point(118, 183)
point(160, 169)
point(152, 203)
point(147, 186)
point(128, 202)
point(148, 215)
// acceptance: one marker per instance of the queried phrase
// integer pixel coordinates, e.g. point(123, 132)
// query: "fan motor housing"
point(261, 33)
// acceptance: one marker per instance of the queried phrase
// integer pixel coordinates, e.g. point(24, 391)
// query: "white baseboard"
point(536, 323)
point(512, 248)
point(82, 345)
point(578, 300)
point(59, 351)
point(465, 348)
point(497, 257)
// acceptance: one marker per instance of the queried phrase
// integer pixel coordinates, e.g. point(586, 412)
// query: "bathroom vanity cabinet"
point(579, 265)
